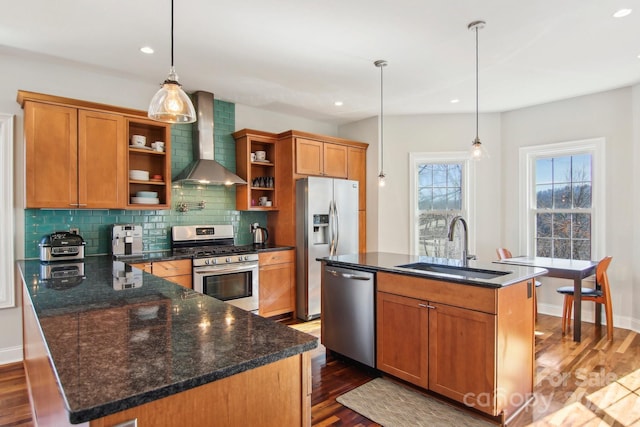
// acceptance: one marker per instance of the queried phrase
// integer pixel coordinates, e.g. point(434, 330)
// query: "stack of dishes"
point(139, 175)
point(146, 198)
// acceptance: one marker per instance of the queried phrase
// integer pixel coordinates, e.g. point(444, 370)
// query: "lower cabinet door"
point(277, 290)
point(462, 355)
point(402, 329)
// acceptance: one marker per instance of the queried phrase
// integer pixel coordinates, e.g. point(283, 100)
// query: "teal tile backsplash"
point(95, 225)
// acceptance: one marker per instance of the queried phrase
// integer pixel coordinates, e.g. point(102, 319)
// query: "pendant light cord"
point(381, 120)
point(477, 84)
point(172, 33)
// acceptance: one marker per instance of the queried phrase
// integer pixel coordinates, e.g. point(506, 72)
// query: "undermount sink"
point(465, 272)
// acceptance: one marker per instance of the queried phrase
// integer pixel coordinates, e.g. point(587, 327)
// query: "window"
point(563, 213)
point(439, 188)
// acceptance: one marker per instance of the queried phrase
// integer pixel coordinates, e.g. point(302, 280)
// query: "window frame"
point(468, 191)
point(527, 196)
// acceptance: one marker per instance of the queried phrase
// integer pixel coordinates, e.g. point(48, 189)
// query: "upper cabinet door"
point(335, 160)
point(102, 176)
point(51, 142)
point(309, 155)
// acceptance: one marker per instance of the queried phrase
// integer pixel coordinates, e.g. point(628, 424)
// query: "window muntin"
point(440, 198)
point(563, 206)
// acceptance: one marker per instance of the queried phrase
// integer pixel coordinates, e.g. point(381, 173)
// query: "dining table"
point(571, 269)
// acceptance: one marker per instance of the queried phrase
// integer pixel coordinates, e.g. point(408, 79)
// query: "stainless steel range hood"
point(204, 169)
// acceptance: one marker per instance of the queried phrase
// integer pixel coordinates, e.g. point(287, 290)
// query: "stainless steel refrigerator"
point(326, 225)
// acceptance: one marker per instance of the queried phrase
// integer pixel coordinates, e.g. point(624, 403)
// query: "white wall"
point(429, 133)
point(609, 115)
point(268, 121)
point(51, 76)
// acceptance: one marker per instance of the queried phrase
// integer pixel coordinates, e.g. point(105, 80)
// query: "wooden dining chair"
point(600, 295)
point(504, 253)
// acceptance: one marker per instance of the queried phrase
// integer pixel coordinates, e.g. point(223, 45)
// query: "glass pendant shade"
point(478, 152)
point(171, 104)
point(382, 179)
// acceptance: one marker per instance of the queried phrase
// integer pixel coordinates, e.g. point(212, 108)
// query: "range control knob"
point(228, 260)
point(207, 261)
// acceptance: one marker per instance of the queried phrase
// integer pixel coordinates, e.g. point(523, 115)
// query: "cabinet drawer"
point(276, 257)
point(456, 294)
point(144, 266)
point(172, 268)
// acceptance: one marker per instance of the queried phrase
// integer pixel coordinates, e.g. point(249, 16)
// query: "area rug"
point(392, 405)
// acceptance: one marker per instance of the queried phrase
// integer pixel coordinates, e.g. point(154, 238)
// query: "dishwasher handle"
point(348, 275)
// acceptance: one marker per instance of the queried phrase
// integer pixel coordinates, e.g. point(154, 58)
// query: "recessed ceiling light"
point(146, 49)
point(454, 101)
point(338, 103)
point(622, 13)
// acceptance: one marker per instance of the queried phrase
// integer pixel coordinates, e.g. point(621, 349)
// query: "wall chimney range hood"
point(204, 169)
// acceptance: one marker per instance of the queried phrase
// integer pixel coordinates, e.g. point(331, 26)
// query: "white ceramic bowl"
point(138, 140)
point(151, 194)
point(145, 200)
point(261, 156)
point(139, 175)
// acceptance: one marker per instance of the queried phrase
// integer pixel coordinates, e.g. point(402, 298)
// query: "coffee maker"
point(126, 239)
point(260, 234)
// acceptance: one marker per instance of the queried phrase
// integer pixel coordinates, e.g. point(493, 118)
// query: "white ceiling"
point(299, 56)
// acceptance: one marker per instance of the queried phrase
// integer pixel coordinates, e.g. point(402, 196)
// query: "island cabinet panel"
point(270, 395)
point(464, 339)
point(402, 348)
point(477, 343)
point(277, 282)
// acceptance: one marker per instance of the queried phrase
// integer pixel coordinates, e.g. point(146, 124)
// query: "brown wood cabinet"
point(74, 157)
point(146, 159)
point(469, 343)
point(314, 157)
point(77, 154)
point(357, 170)
point(402, 331)
point(277, 282)
point(176, 271)
point(260, 175)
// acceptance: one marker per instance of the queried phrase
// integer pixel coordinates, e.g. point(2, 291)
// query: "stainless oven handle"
point(223, 270)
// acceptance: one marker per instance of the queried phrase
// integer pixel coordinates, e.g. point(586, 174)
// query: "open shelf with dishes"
point(148, 164)
point(256, 164)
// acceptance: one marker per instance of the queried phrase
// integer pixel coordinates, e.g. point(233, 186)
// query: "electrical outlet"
point(74, 230)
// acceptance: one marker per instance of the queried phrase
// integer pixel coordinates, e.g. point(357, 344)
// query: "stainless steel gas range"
point(220, 268)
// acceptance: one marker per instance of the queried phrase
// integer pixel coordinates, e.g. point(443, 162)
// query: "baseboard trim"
point(10, 355)
point(622, 322)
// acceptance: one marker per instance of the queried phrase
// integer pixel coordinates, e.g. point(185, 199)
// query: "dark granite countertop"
point(115, 348)
point(390, 262)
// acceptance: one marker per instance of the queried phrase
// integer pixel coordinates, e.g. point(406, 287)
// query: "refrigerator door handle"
point(337, 216)
point(331, 230)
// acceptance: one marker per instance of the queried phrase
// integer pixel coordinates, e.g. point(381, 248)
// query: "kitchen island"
point(100, 354)
point(463, 332)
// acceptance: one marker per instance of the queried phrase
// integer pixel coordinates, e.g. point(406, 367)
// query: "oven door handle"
point(223, 270)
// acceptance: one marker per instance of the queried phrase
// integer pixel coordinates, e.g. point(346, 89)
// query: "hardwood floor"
point(592, 383)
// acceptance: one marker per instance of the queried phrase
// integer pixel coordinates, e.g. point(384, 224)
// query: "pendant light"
point(171, 104)
point(478, 152)
point(381, 63)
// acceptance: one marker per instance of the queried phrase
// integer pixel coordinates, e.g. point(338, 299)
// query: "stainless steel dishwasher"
point(348, 313)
